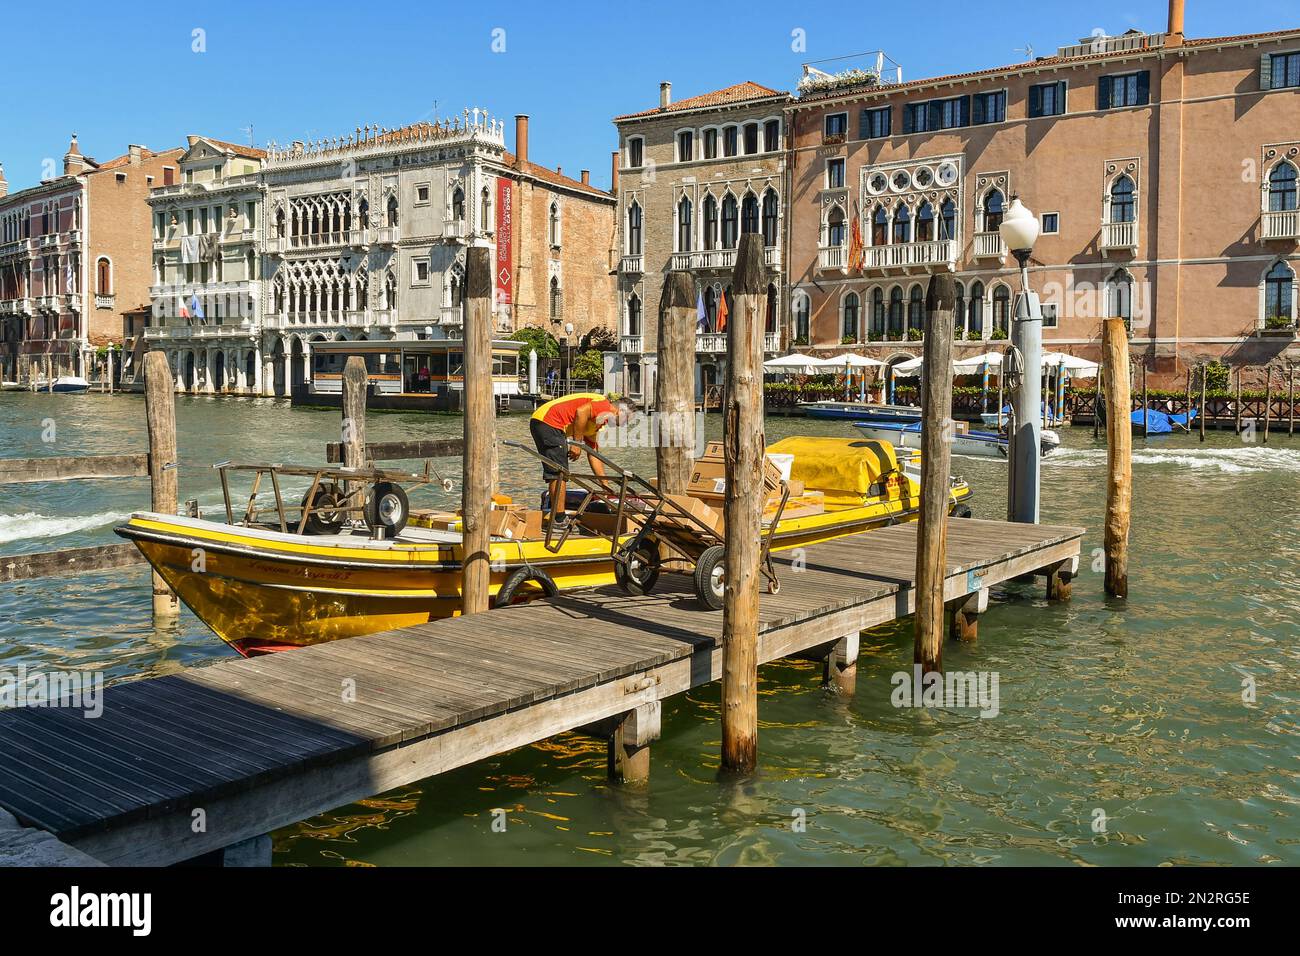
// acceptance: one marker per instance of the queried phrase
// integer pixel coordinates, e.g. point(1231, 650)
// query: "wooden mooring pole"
point(1290, 400)
point(936, 459)
point(1146, 411)
point(675, 383)
point(743, 439)
point(1237, 421)
point(1204, 376)
point(479, 431)
point(1119, 455)
point(1268, 398)
point(1096, 406)
point(353, 425)
point(160, 419)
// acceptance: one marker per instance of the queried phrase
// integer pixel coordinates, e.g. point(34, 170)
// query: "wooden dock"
point(248, 746)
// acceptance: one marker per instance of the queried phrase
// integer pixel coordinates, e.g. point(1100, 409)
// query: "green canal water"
point(1131, 713)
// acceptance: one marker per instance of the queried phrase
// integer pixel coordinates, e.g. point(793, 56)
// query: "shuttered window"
point(1047, 99)
point(1280, 71)
point(875, 124)
point(1124, 90)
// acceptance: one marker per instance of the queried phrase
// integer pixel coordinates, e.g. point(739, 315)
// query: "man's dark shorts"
point(552, 444)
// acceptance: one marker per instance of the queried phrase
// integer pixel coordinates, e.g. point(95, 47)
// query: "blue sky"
point(304, 70)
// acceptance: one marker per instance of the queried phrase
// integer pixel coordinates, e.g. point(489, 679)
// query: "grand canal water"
point(1132, 710)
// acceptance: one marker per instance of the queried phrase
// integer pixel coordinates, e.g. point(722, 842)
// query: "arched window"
point(1002, 309)
point(457, 289)
point(993, 210)
point(684, 225)
point(711, 307)
point(279, 223)
point(392, 210)
point(1282, 188)
point(916, 309)
point(103, 277)
point(878, 312)
point(959, 311)
point(880, 227)
point(458, 204)
point(485, 210)
point(553, 224)
point(801, 305)
point(975, 310)
point(1279, 297)
point(634, 229)
point(1119, 297)
point(925, 223)
point(1122, 206)
point(729, 222)
point(849, 325)
point(896, 311)
point(633, 315)
point(771, 212)
point(557, 303)
point(363, 211)
point(835, 228)
point(902, 225)
point(769, 325)
point(948, 220)
point(390, 291)
point(710, 238)
point(749, 214)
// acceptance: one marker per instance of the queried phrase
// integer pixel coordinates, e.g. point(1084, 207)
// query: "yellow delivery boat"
point(264, 589)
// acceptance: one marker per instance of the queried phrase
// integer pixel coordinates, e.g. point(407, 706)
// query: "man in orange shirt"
point(579, 417)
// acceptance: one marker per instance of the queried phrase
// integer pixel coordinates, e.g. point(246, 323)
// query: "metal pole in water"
point(1025, 439)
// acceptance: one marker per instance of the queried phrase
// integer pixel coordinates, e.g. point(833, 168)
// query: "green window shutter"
point(1144, 88)
point(1103, 93)
point(1266, 71)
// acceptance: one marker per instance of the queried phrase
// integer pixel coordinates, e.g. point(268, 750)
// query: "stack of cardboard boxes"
point(709, 484)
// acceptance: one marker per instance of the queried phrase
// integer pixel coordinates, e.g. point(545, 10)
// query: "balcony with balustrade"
point(715, 343)
point(835, 258)
point(1118, 237)
point(451, 315)
point(454, 230)
point(634, 265)
point(906, 256)
point(989, 245)
point(631, 344)
point(388, 235)
point(1281, 225)
point(105, 301)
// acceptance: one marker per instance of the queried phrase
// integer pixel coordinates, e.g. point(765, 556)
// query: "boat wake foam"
point(1236, 461)
point(32, 525)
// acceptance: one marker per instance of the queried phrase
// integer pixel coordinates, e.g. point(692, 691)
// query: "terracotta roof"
point(1039, 62)
point(551, 176)
point(251, 152)
point(739, 93)
point(125, 159)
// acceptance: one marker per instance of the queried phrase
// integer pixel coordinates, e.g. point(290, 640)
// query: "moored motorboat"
point(965, 442)
point(862, 411)
point(64, 383)
point(263, 588)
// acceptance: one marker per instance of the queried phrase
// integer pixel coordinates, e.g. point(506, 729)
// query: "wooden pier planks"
point(264, 742)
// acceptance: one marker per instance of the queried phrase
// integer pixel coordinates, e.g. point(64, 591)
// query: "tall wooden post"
point(1146, 410)
point(479, 432)
point(1268, 398)
point(1204, 376)
point(1188, 407)
point(160, 420)
point(1119, 455)
point(743, 438)
point(1290, 400)
point(1237, 422)
point(675, 383)
point(936, 451)
point(1096, 406)
point(353, 426)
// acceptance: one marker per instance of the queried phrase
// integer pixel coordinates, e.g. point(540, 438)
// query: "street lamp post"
point(1020, 231)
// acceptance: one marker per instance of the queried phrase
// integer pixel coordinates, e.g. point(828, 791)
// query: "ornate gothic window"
point(993, 210)
point(710, 237)
point(1279, 297)
point(633, 326)
point(684, 225)
point(1282, 188)
point(975, 309)
point(849, 326)
point(1002, 309)
point(902, 225)
point(771, 212)
point(1122, 205)
point(729, 221)
point(634, 229)
point(749, 214)
point(925, 223)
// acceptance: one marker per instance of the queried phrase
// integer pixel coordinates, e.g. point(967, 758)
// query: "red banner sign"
point(505, 235)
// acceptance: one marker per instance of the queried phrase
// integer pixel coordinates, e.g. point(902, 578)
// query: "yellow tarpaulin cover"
point(843, 469)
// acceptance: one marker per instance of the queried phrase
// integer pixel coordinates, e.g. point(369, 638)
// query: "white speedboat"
point(970, 444)
point(64, 383)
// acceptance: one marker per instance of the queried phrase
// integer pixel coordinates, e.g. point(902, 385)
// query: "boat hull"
point(970, 445)
point(261, 591)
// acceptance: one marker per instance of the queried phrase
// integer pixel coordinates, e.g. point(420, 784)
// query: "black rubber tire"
point(520, 576)
point(711, 561)
point(323, 522)
point(387, 507)
point(961, 511)
point(645, 574)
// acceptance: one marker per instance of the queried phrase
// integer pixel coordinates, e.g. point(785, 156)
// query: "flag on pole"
point(196, 307)
point(857, 255)
point(701, 314)
point(181, 311)
point(722, 312)
point(68, 278)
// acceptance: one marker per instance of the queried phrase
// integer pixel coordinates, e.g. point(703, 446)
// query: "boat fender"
point(520, 576)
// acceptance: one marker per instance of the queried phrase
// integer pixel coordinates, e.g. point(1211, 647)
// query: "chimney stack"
point(191, 139)
point(665, 94)
point(73, 163)
point(135, 152)
point(586, 177)
point(521, 138)
point(1174, 35)
point(613, 173)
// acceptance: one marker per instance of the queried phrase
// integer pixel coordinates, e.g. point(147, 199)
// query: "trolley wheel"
point(322, 520)
point(773, 587)
point(709, 584)
point(640, 573)
point(387, 508)
point(509, 591)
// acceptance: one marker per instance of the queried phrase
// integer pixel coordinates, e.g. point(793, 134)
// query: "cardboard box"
point(533, 530)
point(506, 523)
point(696, 508)
point(600, 523)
